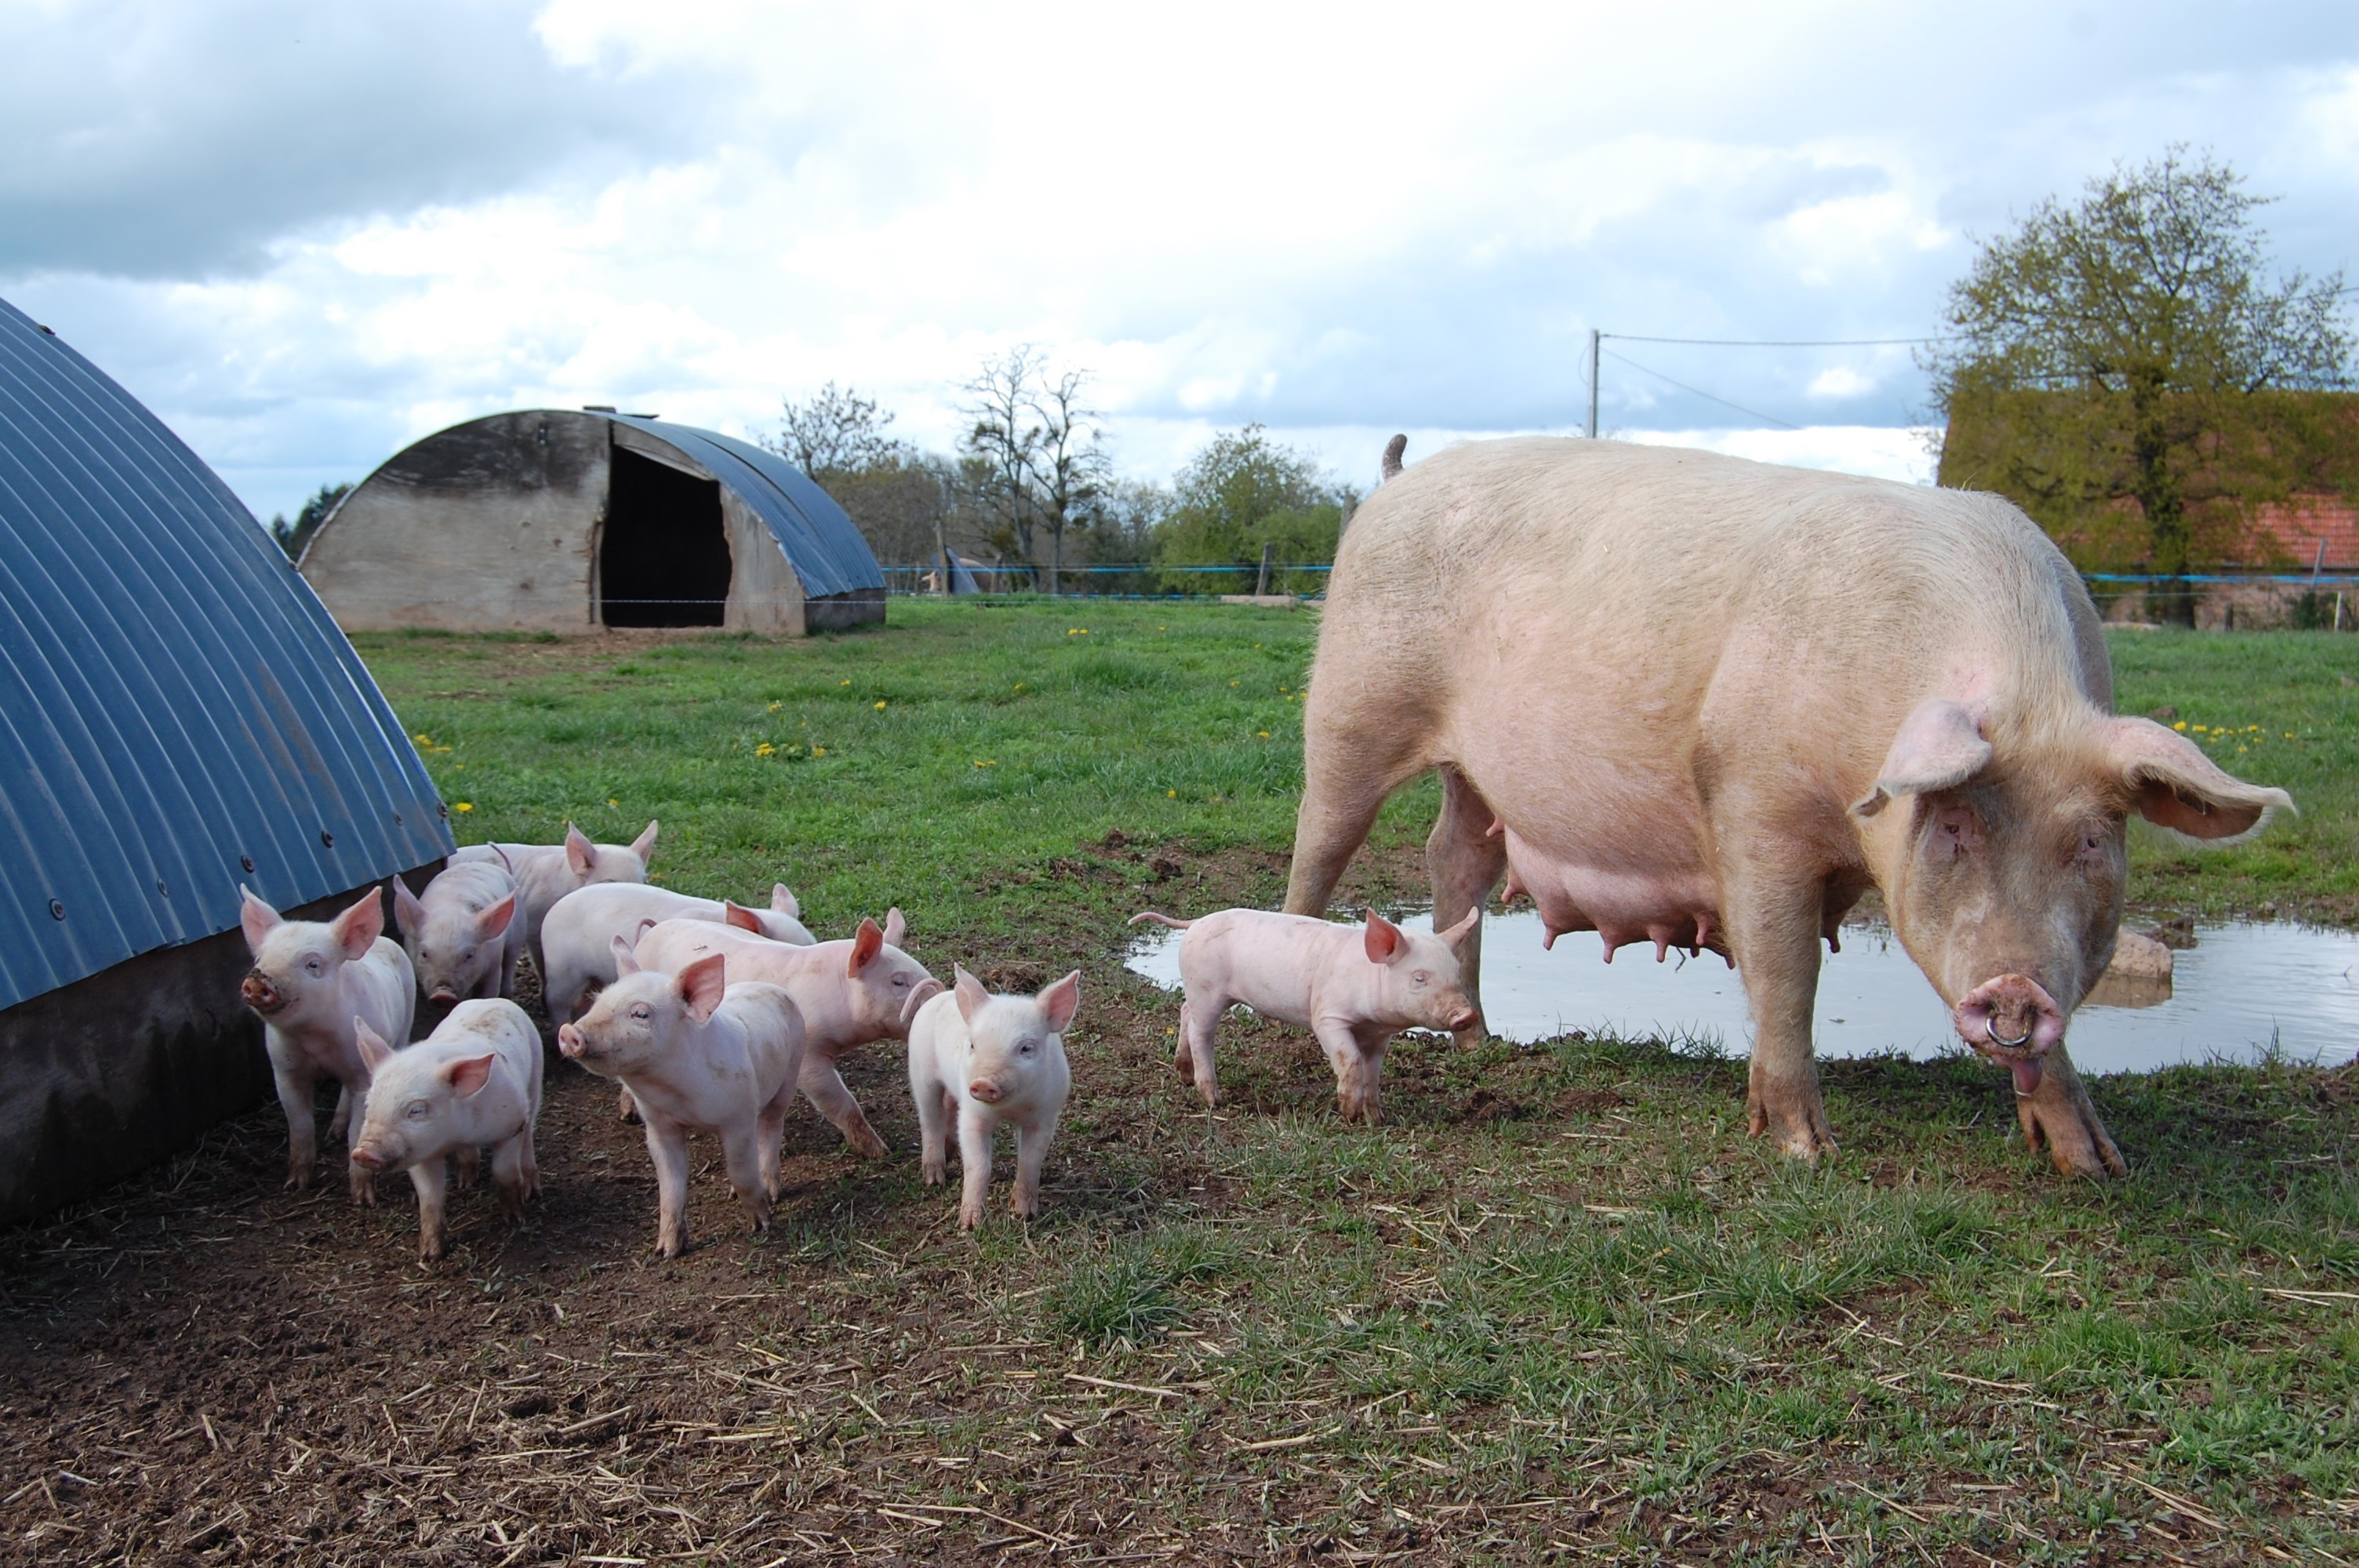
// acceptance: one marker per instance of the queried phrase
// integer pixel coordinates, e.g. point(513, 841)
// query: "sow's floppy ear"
point(2175, 786)
point(1940, 746)
point(1383, 939)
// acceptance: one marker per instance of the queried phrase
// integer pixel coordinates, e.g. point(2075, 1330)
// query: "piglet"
point(985, 1060)
point(464, 933)
point(472, 1084)
point(848, 993)
point(1354, 986)
point(310, 980)
point(578, 938)
point(547, 872)
point(698, 1056)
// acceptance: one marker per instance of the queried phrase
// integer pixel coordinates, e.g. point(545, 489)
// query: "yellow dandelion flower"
point(765, 750)
point(2181, 725)
point(1019, 686)
point(984, 763)
point(423, 739)
point(819, 751)
point(464, 805)
point(1171, 794)
point(1233, 683)
point(458, 765)
point(612, 801)
point(776, 706)
point(1263, 733)
point(843, 683)
point(880, 707)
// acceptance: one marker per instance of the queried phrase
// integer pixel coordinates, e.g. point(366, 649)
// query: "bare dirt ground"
point(200, 1368)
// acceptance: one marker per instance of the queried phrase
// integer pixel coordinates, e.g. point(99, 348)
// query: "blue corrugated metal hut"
point(181, 717)
point(556, 521)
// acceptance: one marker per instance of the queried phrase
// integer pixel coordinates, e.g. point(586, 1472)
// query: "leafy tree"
point(1241, 491)
point(293, 536)
point(2108, 356)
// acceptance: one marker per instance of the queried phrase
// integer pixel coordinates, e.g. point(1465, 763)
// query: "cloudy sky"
point(307, 234)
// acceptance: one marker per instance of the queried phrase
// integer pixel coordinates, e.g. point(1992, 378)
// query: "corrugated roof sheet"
point(819, 539)
point(174, 701)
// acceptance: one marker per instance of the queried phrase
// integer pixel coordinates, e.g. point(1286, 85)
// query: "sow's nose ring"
point(1991, 1030)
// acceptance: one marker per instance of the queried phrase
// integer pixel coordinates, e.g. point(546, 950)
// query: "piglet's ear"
point(580, 853)
point(782, 899)
point(494, 921)
point(1940, 746)
point(644, 845)
point(866, 943)
point(703, 984)
point(626, 961)
point(1384, 939)
point(1060, 1002)
point(407, 910)
point(895, 927)
point(737, 914)
point(358, 928)
point(972, 997)
point(255, 918)
point(374, 1052)
point(2174, 786)
point(1466, 923)
point(468, 1073)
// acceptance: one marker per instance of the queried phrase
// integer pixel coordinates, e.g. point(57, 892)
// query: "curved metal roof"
point(174, 702)
point(819, 539)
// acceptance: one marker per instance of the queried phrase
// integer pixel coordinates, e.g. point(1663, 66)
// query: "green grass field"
point(1559, 1306)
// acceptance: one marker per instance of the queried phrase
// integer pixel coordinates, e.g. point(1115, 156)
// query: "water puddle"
point(2242, 987)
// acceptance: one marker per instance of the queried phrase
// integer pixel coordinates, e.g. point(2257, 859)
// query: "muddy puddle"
point(2243, 990)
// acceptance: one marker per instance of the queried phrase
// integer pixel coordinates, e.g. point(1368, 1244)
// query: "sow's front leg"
point(2058, 1110)
point(1773, 931)
point(1466, 862)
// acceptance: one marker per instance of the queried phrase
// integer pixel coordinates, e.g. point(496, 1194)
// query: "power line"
point(1783, 343)
point(1699, 392)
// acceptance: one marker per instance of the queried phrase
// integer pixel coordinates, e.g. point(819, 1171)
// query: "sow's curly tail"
point(1394, 450)
point(1161, 920)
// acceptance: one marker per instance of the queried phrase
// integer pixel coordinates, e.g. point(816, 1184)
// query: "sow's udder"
point(2012, 1019)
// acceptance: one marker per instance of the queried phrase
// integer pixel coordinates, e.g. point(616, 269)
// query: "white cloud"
point(1340, 227)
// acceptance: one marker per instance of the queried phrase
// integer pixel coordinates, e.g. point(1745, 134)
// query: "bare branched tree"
point(1068, 467)
point(1004, 439)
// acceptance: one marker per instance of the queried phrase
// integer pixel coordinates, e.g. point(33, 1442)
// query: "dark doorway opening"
point(665, 561)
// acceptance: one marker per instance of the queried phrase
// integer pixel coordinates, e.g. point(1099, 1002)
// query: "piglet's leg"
point(1343, 1048)
point(433, 1235)
point(975, 1157)
point(1200, 1016)
point(741, 1148)
point(769, 1131)
point(469, 1163)
point(302, 1134)
point(934, 1123)
point(822, 1083)
point(668, 1147)
point(625, 1106)
point(1031, 1153)
point(347, 1114)
point(512, 1172)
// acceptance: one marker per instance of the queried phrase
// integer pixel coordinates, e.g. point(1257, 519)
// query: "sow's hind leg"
point(1465, 860)
point(1362, 739)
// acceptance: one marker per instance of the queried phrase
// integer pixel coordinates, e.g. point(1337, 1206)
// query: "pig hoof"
point(934, 1174)
point(430, 1250)
point(364, 1190)
point(2059, 1112)
point(1804, 1134)
point(870, 1147)
point(970, 1219)
point(298, 1177)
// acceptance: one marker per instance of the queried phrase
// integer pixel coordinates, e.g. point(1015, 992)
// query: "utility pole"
point(1595, 336)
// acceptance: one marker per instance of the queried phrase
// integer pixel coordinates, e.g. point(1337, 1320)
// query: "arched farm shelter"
point(551, 521)
point(181, 716)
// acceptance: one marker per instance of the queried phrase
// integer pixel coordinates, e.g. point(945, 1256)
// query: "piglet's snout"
point(259, 994)
point(569, 1042)
point(2013, 1019)
point(368, 1159)
point(984, 1089)
point(443, 994)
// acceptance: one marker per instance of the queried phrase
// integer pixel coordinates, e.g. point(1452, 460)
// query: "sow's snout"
point(2012, 1019)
